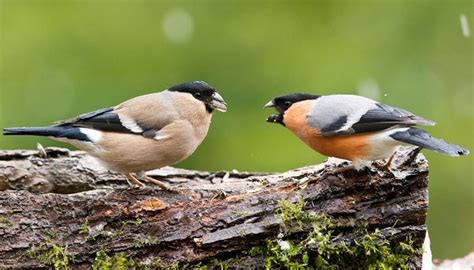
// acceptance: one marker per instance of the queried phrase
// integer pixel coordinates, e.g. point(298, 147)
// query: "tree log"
point(64, 198)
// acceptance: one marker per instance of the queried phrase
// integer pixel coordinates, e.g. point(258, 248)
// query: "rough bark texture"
point(66, 198)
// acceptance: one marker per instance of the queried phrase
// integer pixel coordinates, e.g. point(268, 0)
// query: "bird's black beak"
point(274, 118)
point(270, 104)
point(218, 102)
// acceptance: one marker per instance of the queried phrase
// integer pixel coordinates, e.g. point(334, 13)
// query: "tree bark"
point(66, 198)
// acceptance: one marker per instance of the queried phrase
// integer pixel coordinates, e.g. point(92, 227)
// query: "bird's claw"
point(160, 184)
point(384, 168)
point(411, 157)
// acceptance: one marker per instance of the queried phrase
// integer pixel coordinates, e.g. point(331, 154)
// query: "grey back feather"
point(350, 114)
point(345, 110)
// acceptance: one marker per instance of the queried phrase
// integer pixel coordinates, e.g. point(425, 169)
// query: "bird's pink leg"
point(135, 180)
point(158, 183)
point(411, 157)
point(386, 167)
point(387, 164)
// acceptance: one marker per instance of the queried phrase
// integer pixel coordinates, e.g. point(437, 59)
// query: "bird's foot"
point(159, 183)
point(135, 180)
point(148, 179)
point(385, 167)
point(411, 157)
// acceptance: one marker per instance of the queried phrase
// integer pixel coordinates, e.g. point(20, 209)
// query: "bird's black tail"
point(68, 132)
point(37, 131)
point(421, 138)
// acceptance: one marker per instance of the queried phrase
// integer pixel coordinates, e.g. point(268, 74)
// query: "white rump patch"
point(382, 145)
point(92, 134)
point(130, 124)
point(89, 147)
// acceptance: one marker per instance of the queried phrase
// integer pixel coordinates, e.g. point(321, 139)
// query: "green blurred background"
point(63, 58)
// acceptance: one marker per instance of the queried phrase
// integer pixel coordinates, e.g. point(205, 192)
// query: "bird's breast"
point(350, 147)
point(133, 153)
point(201, 126)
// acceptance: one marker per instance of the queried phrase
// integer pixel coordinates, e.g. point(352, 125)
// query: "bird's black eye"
point(287, 103)
point(197, 95)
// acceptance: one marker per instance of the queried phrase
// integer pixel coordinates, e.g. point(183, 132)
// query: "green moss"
point(175, 266)
point(143, 241)
point(84, 229)
point(49, 234)
point(124, 224)
point(102, 233)
point(292, 214)
point(212, 264)
point(319, 249)
point(51, 254)
point(241, 213)
point(103, 261)
point(217, 264)
point(130, 222)
point(4, 223)
point(157, 263)
point(108, 233)
point(119, 261)
point(243, 232)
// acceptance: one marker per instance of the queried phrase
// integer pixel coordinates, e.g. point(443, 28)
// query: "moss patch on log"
point(51, 254)
point(103, 261)
point(321, 249)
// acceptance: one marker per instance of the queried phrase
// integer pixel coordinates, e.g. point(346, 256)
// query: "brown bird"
point(354, 128)
point(141, 134)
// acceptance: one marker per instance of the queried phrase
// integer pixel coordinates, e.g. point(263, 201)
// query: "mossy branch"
point(91, 218)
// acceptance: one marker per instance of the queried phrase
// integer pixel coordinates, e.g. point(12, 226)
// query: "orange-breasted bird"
point(353, 127)
point(141, 134)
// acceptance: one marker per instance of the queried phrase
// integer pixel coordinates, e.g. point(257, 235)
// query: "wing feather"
point(145, 115)
point(349, 114)
point(103, 119)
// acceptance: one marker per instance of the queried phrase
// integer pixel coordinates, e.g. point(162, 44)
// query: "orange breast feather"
point(350, 147)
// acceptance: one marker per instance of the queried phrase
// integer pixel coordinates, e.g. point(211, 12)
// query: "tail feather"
point(421, 138)
point(68, 132)
point(37, 131)
point(420, 121)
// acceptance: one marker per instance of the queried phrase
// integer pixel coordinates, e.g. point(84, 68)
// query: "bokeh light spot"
point(369, 88)
point(178, 26)
point(464, 26)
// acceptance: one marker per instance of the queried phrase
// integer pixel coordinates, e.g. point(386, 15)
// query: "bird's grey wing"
point(141, 115)
point(148, 113)
point(385, 116)
point(348, 114)
point(103, 119)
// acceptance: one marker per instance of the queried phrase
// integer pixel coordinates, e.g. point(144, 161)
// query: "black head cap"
point(282, 103)
point(203, 92)
point(193, 87)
